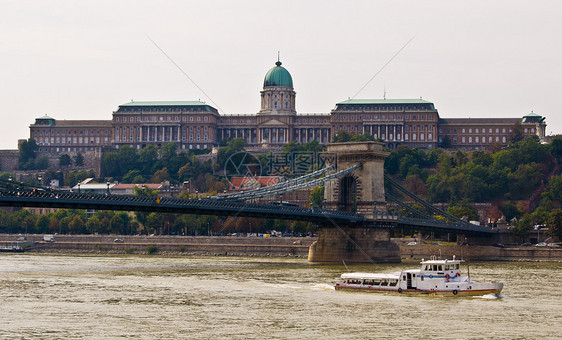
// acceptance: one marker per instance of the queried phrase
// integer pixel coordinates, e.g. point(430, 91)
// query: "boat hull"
point(492, 288)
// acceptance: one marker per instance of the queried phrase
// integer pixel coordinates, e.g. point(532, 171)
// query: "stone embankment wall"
point(92, 161)
point(257, 246)
point(185, 245)
point(8, 160)
point(482, 253)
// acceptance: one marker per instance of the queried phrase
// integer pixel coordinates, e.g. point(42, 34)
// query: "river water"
point(70, 297)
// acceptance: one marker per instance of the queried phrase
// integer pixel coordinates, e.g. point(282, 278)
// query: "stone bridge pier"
point(363, 192)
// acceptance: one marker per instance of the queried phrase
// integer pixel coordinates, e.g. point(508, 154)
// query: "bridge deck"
point(202, 206)
point(211, 206)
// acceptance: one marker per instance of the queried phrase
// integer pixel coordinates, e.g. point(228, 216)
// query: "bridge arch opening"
point(348, 194)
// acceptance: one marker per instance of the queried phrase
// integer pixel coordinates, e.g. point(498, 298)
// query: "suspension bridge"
point(354, 197)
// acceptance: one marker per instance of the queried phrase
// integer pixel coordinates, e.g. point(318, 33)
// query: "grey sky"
point(80, 60)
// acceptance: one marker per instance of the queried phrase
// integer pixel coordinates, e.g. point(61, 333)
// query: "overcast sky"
point(81, 60)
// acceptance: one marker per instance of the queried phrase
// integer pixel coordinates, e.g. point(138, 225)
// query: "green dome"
point(278, 76)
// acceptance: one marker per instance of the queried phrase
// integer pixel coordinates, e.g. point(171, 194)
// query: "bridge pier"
point(359, 245)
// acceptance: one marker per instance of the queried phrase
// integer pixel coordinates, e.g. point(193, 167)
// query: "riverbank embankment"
point(261, 247)
point(164, 244)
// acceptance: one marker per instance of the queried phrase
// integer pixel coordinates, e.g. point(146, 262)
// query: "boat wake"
point(323, 286)
point(491, 296)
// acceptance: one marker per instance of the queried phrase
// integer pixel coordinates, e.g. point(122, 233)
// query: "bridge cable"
point(268, 193)
point(423, 202)
point(291, 182)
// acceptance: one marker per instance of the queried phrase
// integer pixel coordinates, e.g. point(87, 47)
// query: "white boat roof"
point(370, 276)
point(445, 261)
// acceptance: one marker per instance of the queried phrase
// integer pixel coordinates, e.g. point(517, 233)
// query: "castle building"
point(195, 125)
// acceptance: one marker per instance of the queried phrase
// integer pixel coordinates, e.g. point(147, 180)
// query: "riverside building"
point(195, 125)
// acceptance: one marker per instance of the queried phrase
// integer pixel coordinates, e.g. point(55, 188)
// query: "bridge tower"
point(363, 192)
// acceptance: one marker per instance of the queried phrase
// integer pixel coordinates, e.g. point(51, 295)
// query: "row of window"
point(159, 138)
point(71, 140)
point(415, 137)
point(161, 119)
point(419, 127)
point(150, 129)
point(311, 121)
point(70, 132)
point(490, 130)
point(383, 117)
point(241, 121)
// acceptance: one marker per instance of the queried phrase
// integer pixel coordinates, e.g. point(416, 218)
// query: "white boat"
point(439, 277)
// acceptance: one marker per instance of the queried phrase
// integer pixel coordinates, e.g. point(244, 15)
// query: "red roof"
point(250, 182)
